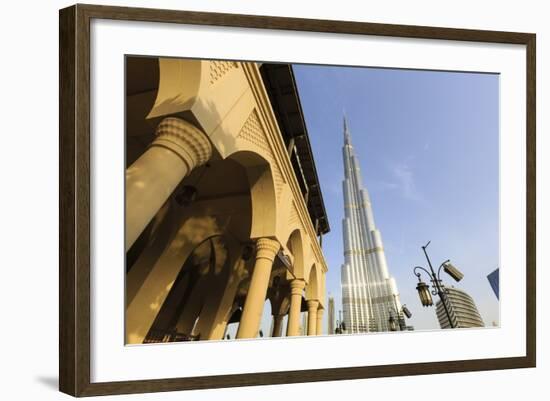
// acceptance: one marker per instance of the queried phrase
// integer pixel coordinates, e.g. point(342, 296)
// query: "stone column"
point(277, 325)
point(319, 328)
point(266, 249)
point(178, 148)
point(296, 288)
point(312, 306)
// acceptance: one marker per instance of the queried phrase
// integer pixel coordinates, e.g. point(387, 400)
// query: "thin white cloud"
point(405, 177)
point(403, 180)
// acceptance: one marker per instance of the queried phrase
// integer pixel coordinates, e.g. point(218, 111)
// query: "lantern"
point(453, 271)
point(424, 293)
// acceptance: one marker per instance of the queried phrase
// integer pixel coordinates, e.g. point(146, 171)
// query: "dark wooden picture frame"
point(74, 176)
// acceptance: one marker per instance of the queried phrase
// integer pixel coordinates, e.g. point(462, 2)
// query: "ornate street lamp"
point(452, 271)
point(424, 292)
point(437, 286)
point(398, 322)
point(393, 324)
point(188, 193)
point(340, 324)
point(406, 311)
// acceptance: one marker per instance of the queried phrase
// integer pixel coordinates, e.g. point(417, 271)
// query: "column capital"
point(267, 248)
point(184, 139)
point(312, 305)
point(297, 286)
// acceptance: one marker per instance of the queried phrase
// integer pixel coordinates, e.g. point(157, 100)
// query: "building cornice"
point(282, 159)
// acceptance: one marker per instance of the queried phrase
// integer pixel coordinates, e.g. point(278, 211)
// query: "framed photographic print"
point(347, 200)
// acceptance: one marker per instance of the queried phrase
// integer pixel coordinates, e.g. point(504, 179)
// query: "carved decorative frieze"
point(219, 68)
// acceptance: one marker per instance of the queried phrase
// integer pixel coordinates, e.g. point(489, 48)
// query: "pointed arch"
point(262, 193)
point(313, 287)
point(295, 244)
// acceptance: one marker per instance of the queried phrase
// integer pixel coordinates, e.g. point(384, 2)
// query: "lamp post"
point(438, 288)
point(398, 320)
point(391, 321)
point(340, 325)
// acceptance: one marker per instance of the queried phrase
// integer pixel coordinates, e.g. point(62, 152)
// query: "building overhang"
point(281, 87)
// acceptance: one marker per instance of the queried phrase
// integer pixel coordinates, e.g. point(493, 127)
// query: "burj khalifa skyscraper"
point(369, 294)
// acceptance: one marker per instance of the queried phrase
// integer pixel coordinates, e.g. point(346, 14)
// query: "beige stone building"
point(223, 204)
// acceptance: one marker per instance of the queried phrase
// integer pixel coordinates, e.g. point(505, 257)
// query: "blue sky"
point(427, 142)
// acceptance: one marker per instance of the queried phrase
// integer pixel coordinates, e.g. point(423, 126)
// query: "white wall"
point(28, 166)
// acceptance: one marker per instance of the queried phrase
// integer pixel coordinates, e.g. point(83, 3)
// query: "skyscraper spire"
point(369, 293)
point(347, 136)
